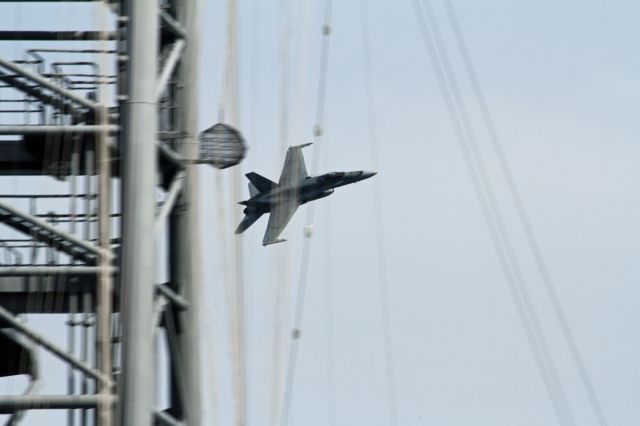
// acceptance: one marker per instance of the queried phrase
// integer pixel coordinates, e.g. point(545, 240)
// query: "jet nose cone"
point(367, 175)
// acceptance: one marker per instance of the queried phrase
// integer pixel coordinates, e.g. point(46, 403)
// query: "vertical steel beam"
point(104, 289)
point(185, 243)
point(136, 392)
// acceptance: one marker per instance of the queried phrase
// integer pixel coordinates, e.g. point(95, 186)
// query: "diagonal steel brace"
point(43, 232)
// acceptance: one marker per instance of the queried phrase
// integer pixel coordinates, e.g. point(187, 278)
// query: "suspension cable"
point(377, 207)
point(283, 285)
point(495, 223)
point(306, 247)
point(523, 216)
point(234, 285)
point(329, 320)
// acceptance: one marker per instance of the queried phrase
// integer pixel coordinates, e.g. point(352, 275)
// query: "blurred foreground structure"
point(118, 253)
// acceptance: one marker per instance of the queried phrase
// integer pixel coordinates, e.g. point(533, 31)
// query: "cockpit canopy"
point(333, 176)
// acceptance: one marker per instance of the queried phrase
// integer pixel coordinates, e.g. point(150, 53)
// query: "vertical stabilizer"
point(253, 191)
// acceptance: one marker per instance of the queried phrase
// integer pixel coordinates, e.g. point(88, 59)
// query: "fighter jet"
point(294, 188)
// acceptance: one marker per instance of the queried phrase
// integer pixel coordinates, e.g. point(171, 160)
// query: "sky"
point(561, 79)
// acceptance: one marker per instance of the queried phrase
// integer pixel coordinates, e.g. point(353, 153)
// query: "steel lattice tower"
point(122, 125)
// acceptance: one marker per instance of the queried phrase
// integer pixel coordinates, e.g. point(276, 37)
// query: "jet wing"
point(280, 215)
point(294, 168)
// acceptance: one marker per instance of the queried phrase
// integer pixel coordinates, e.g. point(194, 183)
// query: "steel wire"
point(495, 223)
point(383, 287)
point(306, 246)
point(523, 215)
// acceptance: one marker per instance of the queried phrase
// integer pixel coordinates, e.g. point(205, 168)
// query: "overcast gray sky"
point(562, 80)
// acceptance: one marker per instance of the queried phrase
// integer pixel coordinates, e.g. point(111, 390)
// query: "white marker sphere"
point(308, 231)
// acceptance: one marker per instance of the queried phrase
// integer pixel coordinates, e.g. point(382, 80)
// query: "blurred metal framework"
point(114, 123)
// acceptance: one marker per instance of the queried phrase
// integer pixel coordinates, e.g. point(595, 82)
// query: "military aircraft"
point(294, 188)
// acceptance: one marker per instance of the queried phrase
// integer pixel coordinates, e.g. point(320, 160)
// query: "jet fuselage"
point(308, 189)
point(295, 187)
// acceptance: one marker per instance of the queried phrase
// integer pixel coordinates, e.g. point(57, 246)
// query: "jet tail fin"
point(247, 221)
point(261, 183)
point(253, 191)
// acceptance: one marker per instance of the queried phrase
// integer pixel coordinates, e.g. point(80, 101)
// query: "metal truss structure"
point(120, 132)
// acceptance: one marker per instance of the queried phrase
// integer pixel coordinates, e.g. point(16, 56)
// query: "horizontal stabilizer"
point(261, 183)
point(266, 243)
point(247, 221)
point(301, 146)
